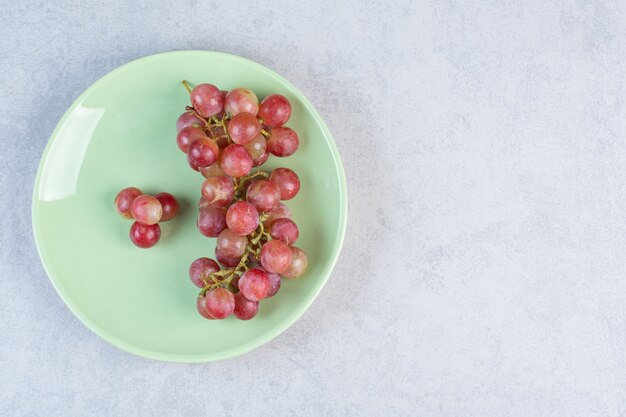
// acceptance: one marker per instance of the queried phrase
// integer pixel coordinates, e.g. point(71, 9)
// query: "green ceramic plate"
point(121, 132)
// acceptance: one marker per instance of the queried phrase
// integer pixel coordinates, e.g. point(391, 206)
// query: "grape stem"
point(186, 85)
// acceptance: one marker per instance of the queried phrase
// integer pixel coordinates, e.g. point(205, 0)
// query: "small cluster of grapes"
point(147, 211)
point(225, 135)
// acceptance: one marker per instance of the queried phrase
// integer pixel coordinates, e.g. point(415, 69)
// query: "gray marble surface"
point(484, 266)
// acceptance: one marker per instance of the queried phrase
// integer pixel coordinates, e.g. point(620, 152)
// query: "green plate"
point(121, 132)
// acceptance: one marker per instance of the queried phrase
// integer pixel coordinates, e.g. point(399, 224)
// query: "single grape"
point(245, 309)
point(275, 110)
point(280, 212)
point(287, 181)
point(235, 161)
point(283, 141)
point(203, 152)
point(242, 218)
point(256, 147)
point(187, 119)
point(124, 200)
point(298, 264)
point(234, 282)
point(230, 244)
point(241, 100)
point(219, 303)
point(222, 140)
point(200, 269)
point(207, 100)
point(213, 170)
point(226, 262)
point(274, 284)
point(275, 256)
point(211, 221)
point(169, 204)
point(243, 128)
point(201, 306)
point(218, 191)
point(263, 194)
point(188, 135)
point(285, 230)
point(192, 165)
point(146, 209)
point(261, 159)
point(254, 284)
point(145, 236)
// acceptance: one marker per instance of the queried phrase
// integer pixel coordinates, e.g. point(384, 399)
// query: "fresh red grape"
point(245, 309)
point(201, 306)
point(144, 235)
point(187, 119)
point(283, 141)
point(230, 244)
point(287, 181)
point(261, 159)
point(243, 128)
point(235, 161)
point(263, 194)
point(234, 282)
point(146, 209)
point(254, 284)
point(207, 100)
point(219, 303)
point(298, 264)
point(226, 262)
point(285, 230)
point(213, 170)
point(211, 221)
point(274, 284)
point(256, 147)
point(202, 268)
point(241, 100)
point(169, 204)
point(242, 218)
point(275, 256)
point(124, 200)
point(192, 165)
point(203, 152)
point(275, 110)
point(218, 191)
point(280, 212)
point(188, 135)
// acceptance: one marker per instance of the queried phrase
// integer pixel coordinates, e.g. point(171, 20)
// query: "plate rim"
point(238, 349)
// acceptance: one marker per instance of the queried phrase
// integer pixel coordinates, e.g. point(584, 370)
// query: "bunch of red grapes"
point(147, 211)
point(225, 136)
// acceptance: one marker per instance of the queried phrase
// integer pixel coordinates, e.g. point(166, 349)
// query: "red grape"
point(207, 100)
point(230, 244)
point(235, 161)
point(202, 268)
point(146, 209)
point(242, 218)
point(219, 303)
point(218, 191)
point(280, 212)
point(187, 119)
point(224, 261)
point(203, 152)
point(243, 128)
point(145, 236)
point(275, 110)
point(256, 147)
point(124, 200)
point(240, 100)
point(263, 194)
point(275, 256)
point(169, 204)
point(188, 135)
point(285, 230)
point(254, 284)
point(201, 306)
point(245, 309)
point(213, 170)
point(283, 141)
point(298, 264)
point(261, 159)
point(211, 221)
point(287, 181)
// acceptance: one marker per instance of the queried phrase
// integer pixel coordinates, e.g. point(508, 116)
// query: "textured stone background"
point(485, 258)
